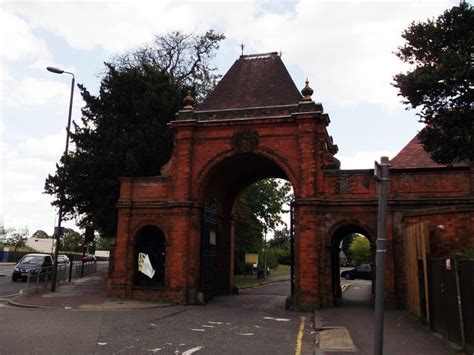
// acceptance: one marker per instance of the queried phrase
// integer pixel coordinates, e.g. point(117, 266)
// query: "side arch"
point(352, 224)
point(150, 250)
point(335, 235)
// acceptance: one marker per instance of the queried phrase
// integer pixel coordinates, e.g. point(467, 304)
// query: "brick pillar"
point(306, 258)
point(182, 159)
point(189, 232)
point(118, 283)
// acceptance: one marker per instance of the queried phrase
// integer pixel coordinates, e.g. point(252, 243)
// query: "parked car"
point(63, 259)
point(33, 264)
point(89, 258)
point(363, 271)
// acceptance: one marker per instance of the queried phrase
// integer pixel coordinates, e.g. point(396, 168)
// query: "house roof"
point(257, 80)
point(413, 155)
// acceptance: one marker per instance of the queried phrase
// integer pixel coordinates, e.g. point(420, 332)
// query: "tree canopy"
point(123, 129)
point(360, 250)
point(259, 210)
point(441, 82)
point(71, 240)
point(40, 234)
point(185, 56)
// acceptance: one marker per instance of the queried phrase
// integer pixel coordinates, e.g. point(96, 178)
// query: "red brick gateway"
point(257, 125)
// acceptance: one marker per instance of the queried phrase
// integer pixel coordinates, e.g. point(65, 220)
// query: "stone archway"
point(339, 232)
point(220, 186)
point(256, 124)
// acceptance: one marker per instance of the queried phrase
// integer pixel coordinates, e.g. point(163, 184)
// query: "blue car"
point(363, 271)
point(32, 264)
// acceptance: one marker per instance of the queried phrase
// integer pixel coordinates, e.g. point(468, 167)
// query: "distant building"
point(41, 245)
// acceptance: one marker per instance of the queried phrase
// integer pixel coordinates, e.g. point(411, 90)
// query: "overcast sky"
point(345, 48)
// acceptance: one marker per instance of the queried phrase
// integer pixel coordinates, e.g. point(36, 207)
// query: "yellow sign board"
point(251, 258)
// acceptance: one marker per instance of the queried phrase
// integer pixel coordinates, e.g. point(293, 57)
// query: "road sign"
point(251, 258)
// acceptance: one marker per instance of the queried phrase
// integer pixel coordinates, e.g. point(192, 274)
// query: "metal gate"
point(208, 251)
point(451, 300)
point(466, 283)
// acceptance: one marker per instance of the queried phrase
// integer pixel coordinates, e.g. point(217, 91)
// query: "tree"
point(17, 237)
point(281, 239)
point(441, 82)
point(259, 210)
point(40, 234)
point(71, 240)
point(3, 232)
point(185, 56)
point(345, 245)
point(360, 250)
point(103, 243)
point(267, 199)
point(279, 246)
point(124, 128)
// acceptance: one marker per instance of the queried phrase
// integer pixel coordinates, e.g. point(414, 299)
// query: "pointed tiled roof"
point(413, 155)
point(253, 81)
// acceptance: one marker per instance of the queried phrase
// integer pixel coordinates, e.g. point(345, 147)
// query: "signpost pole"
point(382, 176)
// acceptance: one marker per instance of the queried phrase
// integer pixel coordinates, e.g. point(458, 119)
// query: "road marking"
point(155, 350)
point(193, 350)
point(198, 330)
point(245, 334)
point(277, 319)
point(208, 326)
point(299, 339)
point(13, 294)
point(211, 322)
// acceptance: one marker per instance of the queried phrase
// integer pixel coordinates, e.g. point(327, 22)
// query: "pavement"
point(83, 294)
point(349, 328)
point(338, 330)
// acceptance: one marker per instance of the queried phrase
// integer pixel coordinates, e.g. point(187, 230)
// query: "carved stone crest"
point(245, 140)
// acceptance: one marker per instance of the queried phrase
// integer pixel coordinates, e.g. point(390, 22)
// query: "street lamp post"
point(58, 230)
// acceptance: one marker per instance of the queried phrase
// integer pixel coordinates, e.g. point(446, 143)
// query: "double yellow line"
point(299, 339)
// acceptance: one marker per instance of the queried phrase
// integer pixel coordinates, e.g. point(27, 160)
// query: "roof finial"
point(307, 91)
point(189, 101)
point(242, 46)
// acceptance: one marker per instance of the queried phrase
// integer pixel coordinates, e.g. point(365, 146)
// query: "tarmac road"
point(250, 323)
point(8, 288)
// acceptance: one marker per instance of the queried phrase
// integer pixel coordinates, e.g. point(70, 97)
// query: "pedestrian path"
point(84, 294)
point(349, 328)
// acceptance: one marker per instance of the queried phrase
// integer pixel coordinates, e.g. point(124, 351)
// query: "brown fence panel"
point(416, 244)
point(437, 302)
point(452, 309)
point(466, 283)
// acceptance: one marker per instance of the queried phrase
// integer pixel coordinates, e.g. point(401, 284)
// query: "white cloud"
point(363, 159)
point(19, 42)
point(32, 91)
point(31, 197)
point(49, 147)
point(346, 48)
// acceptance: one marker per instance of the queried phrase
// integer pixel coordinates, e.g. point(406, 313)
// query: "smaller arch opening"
point(352, 266)
point(150, 243)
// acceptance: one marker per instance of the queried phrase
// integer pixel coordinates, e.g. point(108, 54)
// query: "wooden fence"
point(417, 246)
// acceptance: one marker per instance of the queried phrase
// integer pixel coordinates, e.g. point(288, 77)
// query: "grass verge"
point(242, 281)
